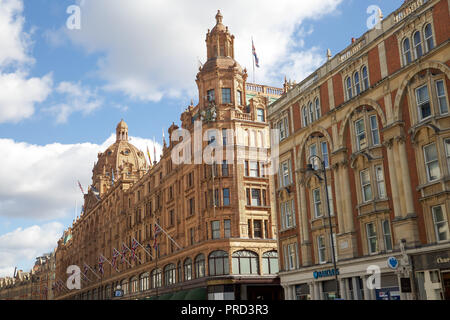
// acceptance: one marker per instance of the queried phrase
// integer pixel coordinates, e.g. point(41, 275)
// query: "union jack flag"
point(86, 269)
point(100, 264)
point(254, 54)
point(134, 246)
point(124, 252)
point(114, 257)
point(157, 231)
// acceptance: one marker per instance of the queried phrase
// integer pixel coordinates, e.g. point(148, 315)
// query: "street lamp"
point(310, 168)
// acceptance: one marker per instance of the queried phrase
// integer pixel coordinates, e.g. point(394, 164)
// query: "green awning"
point(166, 296)
point(179, 295)
point(196, 294)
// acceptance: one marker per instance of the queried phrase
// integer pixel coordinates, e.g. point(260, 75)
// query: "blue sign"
point(392, 263)
point(325, 273)
point(118, 293)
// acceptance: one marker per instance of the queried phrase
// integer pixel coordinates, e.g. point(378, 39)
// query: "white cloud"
point(150, 49)
point(26, 244)
point(18, 92)
point(14, 42)
point(18, 95)
point(43, 185)
point(77, 99)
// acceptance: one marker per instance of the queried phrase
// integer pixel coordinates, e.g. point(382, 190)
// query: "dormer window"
point(239, 97)
point(260, 115)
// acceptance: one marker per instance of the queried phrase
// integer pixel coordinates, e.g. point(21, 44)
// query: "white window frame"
point(407, 55)
point(285, 173)
point(421, 103)
point(428, 162)
point(359, 135)
point(317, 203)
point(258, 115)
point(442, 99)
point(311, 112)
point(417, 45)
point(305, 116)
point(317, 107)
point(375, 133)
point(321, 250)
point(330, 197)
point(325, 155)
point(349, 87)
point(447, 152)
point(436, 223)
point(364, 185)
point(365, 78)
point(386, 235)
point(428, 38)
point(356, 83)
point(373, 236)
point(381, 185)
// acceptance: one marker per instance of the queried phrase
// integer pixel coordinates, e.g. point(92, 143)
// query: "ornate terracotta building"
point(218, 216)
point(377, 115)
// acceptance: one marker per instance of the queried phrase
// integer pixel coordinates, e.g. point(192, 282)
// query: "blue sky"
point(135, 60)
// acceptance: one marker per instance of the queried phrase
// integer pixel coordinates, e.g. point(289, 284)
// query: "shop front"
point(432, 275)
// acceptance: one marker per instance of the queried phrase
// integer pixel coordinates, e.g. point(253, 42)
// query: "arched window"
point(311, 112)
point(365, 78)
point(406, 51)
point(270, 262)
point(317, 106)
point(144, 278)
point(417, 44)
point(134, 284)
point(108, 292)
point(156, 278)
point(200, 266)
point(245, 262)
point(305, 116)
point(428, 37)
point(170, 274)
point(179, 275)
point(124, 285)
point(348, 82)
point(356, 83)
point(187, 269)
point(218, 263)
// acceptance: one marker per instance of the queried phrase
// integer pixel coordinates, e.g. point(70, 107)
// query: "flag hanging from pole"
point(81, 187)
point(254, 54)
point(96, 193)
point(124, 252)
point(115, 255)
point(134, 246)
point(112, 176)
point(100, 264)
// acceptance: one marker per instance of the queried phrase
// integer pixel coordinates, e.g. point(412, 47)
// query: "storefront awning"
point(166, 296)
point(196, 294)
point(179, 295)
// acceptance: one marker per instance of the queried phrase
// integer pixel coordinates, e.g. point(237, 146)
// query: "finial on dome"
point(219, 17)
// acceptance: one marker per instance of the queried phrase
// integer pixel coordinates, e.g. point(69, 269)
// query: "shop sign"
point(432, 260)
point(325, 273)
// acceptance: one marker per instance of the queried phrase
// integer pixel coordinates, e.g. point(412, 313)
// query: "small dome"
point(122, 125)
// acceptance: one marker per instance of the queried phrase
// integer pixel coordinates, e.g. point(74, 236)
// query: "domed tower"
point(221, 80)
point(120, 159)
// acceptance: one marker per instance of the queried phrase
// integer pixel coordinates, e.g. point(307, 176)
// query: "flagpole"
point(134, 254)
point(168, 235)
point(92, 271)
point(110, 263)
point(143, 248)
point(253, 59)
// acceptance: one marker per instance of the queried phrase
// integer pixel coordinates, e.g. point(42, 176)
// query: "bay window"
point(372, 238)
point(366, 186)
point(423, 102)
point(440, 224)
